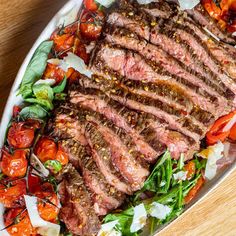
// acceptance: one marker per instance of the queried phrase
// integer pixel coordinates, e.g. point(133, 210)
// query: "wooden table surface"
point(21, 21)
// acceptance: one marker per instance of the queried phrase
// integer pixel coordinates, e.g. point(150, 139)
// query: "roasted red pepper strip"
point(192, 193)
point(216, 134)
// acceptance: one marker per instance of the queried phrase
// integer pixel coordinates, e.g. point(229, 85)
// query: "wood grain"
point(21, 21)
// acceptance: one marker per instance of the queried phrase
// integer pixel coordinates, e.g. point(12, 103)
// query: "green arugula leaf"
point(33, 111)
point(35, 69)
point(61, 87)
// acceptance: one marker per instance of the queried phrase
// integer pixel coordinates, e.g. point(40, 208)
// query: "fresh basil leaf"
point(61, 87)
point(43, 91)
point(53, 165)
point(43, 102)
point(33, 111)
point(35, 69)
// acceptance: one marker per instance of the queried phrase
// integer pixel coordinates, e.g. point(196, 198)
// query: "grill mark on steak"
point(105, 197)
point(103, 139)
point(77, 211)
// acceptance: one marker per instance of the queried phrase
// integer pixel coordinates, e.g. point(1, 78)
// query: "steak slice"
point(77, 211)
point(131, 119)
point(105, 142)
point(105, 197)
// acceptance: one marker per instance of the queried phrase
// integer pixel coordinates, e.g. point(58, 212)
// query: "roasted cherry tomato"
point(14, 165)
point(47, 202)
point(216, 133)
point(12, 193)
point(80, 50)
point(21, 134)
point(16, 111)
point(34, 182)
point(62, 42)
point(61, 155)
point(45, 149)
point(90, 5)
point(192, 193)
point(213, 10)
point(191, 169)
point(54, 72)
point(20, 223)
point(91, 24)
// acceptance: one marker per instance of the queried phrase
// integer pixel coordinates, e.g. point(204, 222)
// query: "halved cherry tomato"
point(16, 110)
point(20, 221)
point(45, 149)
point(216, 133)
point(90, 5)
point(213, 10)
point(79, 49)
point(91, 24)
point(54, 72)
point(190, 168)
point(192, 193)
point(47, 202)
point(34, 182)
point(62, 42)
point(12, 193)
point(14, 165)
point(21, 134)
point(61, 155)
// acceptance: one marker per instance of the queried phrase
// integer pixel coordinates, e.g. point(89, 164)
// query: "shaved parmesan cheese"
point(234, 34)
point(46, 81)
point(181, 175)
point(38, 165)
point(230, 124)
point(44, 228)
point(71, 60)
point(69, 17)
point(163, 183)
point(105, 3)
point(188, 4)
point(2, 225)
point(108, 229)
point(145, 1)
point(159, 211)
point(213, 154)
point(139, 219)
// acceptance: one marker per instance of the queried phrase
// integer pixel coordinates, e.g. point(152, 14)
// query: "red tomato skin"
point(24, 227)
point(14, 165)
point(45, 149)
point(62, 156)
point(88, 28)
point(90, 5)
point(193, 192)
point(20, 136)
point(13, 196)
point(16, 111)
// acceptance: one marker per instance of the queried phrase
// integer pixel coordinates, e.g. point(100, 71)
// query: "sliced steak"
point(105, 197)
point(131, 119)
point(77, 211)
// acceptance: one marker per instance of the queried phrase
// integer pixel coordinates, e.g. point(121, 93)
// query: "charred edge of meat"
point(77, 212)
